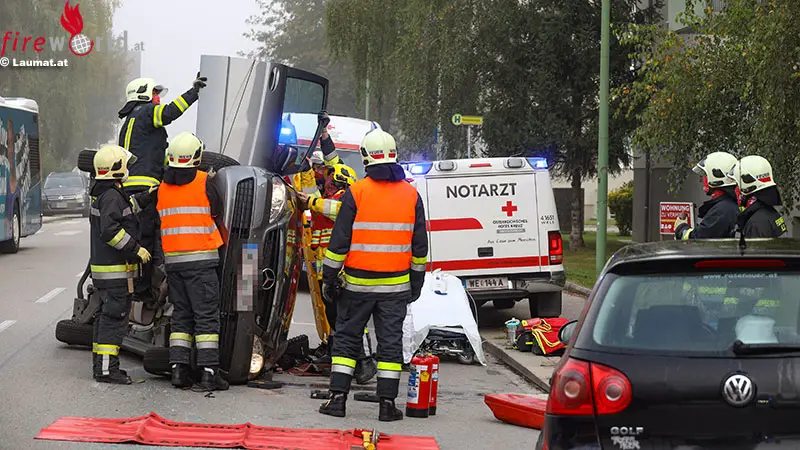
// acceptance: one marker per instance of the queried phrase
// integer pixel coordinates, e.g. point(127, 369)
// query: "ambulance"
point(492, 222)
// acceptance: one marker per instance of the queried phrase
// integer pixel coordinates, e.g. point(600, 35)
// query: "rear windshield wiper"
point(740, 348)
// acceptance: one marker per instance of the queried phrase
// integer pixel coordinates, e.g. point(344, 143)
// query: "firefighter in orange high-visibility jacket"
point(187, 205)
point(115, 258)
point(382, 252)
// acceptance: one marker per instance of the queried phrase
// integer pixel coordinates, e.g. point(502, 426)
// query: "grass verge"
point(580, 265)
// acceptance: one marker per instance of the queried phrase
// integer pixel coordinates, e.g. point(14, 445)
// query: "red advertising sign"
point(669, 211)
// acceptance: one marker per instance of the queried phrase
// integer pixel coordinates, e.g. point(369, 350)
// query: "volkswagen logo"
point(61, 197)
point(738, 390)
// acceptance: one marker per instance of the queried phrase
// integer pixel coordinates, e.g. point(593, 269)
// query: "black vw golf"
point(689, 345)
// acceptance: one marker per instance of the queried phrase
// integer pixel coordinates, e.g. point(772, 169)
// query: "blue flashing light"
point(538, 163)
point(420, 168)
point(288, 134)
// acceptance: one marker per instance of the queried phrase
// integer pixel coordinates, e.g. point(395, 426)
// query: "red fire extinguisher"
point(434, 383)
point(419, 387)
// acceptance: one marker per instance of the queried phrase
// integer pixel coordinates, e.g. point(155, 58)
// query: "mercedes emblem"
point(738, 390)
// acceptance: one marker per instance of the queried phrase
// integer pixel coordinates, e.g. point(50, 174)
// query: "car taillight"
point(583, 389)
point(556, 245)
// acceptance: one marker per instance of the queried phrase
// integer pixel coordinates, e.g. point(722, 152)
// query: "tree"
point(543, 90)
point(732, 86)
point(78, 103)
point(293, 32)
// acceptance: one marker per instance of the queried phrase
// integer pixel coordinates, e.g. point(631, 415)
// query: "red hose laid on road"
point(152, 429)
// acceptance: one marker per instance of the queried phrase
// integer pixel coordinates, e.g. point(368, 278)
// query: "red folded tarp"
point(517, 409)
point(152, 429)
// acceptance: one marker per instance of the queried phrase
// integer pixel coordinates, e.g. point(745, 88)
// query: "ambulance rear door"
point(483, 218)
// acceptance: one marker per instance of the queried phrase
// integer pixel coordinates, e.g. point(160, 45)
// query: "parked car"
point(66, 193)
point(683, 345)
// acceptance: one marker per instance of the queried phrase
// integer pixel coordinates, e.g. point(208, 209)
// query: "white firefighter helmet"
point(111, 163)
point(185, 151)
point(317, 158)
point(378, 147)
point(754, 174)
point(715, 167)
point(141, 90)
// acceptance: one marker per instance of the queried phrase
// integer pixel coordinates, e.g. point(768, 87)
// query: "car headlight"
point(278, 199)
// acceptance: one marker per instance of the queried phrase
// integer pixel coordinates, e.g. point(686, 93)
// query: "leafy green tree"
point(620, 202)
point(293, 32)
point(732, 86)
point(78, 103)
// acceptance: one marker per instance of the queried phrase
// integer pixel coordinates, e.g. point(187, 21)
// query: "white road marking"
point(303, 324)
point(69, 233)
point(50, 295)
point(5, 324)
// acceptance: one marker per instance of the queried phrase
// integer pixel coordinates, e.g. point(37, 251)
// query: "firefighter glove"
point(199, 82)
point(152, 189)
point(415, 294)
point(144, 255)
point(680, 220)
point(329, 292)
point(324, 119)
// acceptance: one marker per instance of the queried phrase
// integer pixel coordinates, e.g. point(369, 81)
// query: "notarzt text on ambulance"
point(482, 190)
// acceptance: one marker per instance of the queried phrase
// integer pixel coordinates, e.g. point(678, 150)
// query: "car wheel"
point(216, 161)
point(503, 304)
point(545, 304)
point(12, 245)
point(73, 333)
point(156, 361)
point(468, 357)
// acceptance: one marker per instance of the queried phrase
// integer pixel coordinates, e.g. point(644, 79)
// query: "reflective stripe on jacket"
point(382, 250)
point(188, 231)
point(113, 228)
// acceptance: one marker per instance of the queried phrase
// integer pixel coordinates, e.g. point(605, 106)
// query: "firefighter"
point(321, 172)
point(115, 258)
point(382, 252)
point(187, 205)
point(719, 212)
point(759, 197)
point(324, 212)
point(144, 135)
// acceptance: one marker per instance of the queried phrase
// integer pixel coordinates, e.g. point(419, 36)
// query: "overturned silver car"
point(241, 113)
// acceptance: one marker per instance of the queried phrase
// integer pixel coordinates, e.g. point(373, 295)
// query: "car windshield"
point(699, 312)
point(63, 182)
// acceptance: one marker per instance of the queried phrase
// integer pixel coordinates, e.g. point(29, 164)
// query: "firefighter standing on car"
point(719, 212)
point(324, 212)
point(115, 258)
point(144, 135)
point(380, 242)
point(187, 205)
point(759, 197)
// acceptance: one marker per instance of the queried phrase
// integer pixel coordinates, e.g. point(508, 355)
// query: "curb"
point(577, 289)
point(499, 353)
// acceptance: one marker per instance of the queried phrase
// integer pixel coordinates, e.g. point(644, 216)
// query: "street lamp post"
point(602, 144)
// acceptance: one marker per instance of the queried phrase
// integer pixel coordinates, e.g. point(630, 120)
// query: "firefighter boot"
point(180, 376)
point(366, 369)
point(388, 412)
point(336, 406)
point(212, 381)
point(115, 374)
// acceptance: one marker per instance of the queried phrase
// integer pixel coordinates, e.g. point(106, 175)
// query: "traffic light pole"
point(602, 145)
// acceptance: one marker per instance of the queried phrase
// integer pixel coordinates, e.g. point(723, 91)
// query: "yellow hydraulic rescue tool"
point(323, 327)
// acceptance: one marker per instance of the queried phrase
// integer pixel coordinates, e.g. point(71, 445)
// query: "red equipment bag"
point(152, 429)
point(517, 409)
point(545, 333)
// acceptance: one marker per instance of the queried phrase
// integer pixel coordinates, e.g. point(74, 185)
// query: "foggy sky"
point(176, 32)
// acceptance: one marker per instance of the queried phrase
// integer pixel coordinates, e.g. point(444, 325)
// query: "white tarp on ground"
point(435, 310)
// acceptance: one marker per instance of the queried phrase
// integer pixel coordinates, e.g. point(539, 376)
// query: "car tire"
point(156, 361)
point(12, 245)
point(216, 161)
point(468, 357)
point(73, 333)
point(545, 304)
point(503, 304)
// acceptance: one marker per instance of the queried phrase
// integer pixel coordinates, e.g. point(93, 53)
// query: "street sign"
point(669, 211)
point(459, 120)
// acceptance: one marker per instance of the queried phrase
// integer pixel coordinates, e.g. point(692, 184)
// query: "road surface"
point(43, 379)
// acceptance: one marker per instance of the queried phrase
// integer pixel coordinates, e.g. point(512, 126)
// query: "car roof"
point(702, 248)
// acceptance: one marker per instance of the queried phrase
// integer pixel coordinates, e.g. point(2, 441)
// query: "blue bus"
point(20, 172)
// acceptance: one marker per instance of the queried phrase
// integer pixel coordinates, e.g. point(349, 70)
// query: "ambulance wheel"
point(156, 361)
point(545, 304)
point(503, 304)
point(216, 160)
point(73, 333)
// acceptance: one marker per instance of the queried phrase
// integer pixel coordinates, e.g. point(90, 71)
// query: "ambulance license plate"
point(482, 284)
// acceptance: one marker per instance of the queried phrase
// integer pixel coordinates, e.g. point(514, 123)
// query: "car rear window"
point(699, 312)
